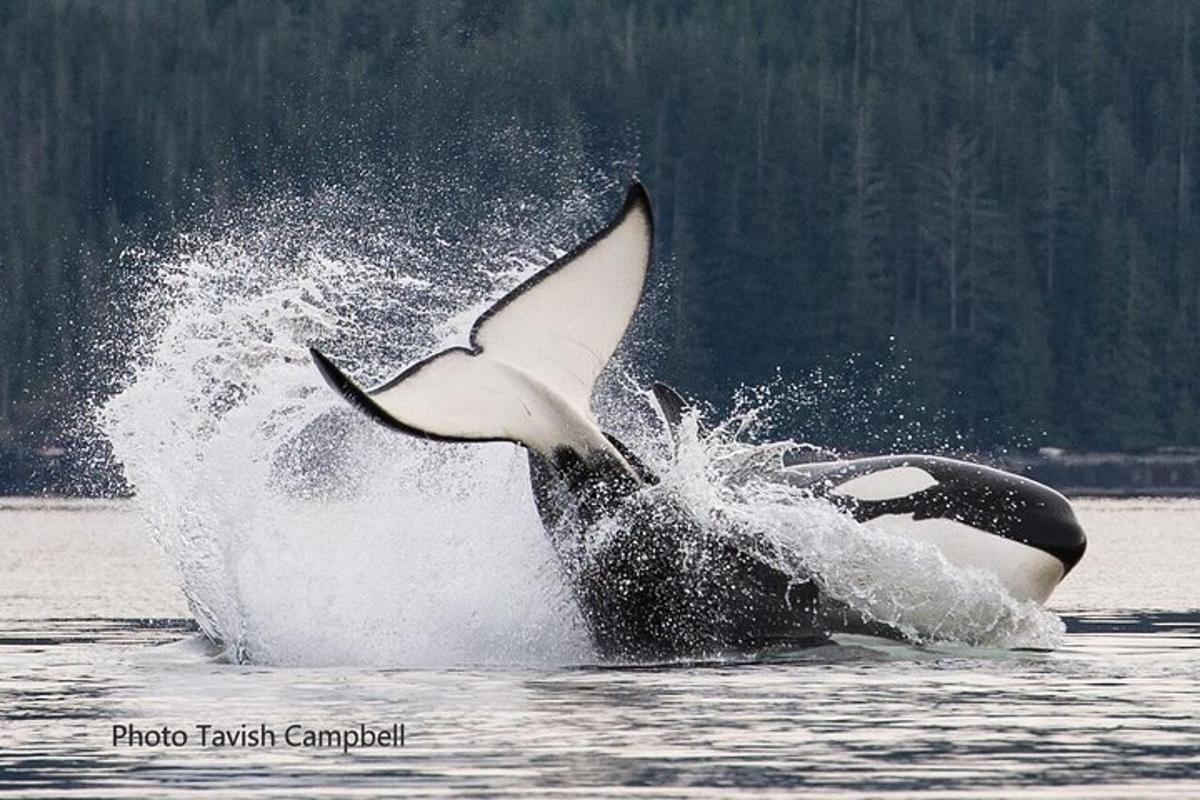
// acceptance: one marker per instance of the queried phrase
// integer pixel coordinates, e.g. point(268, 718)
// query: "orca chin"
point(650, 580)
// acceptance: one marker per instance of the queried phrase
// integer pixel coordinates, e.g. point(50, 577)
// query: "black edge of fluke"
point(636, 194)
point(348, 389)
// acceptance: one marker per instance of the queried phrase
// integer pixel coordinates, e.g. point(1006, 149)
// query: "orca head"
point(986, 499)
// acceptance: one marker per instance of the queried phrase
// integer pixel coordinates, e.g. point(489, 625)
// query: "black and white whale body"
point(977, 516)
point(651, 581)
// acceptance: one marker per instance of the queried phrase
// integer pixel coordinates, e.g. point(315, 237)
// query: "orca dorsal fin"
point(535, 354)
point(672, 405)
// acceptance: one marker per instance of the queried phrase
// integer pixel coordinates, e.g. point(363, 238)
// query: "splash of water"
point(889, 578)
point(304, 533)
point(301, 531)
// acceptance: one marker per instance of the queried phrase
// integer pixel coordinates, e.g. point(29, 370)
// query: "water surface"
point(95, 634)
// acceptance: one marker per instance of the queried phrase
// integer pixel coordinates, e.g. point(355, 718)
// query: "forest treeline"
point(999, 196)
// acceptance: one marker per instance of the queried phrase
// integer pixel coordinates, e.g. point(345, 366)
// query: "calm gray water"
point(94, 634)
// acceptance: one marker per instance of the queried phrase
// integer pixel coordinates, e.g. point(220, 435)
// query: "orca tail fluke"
point(351, 391)
point(534, 355)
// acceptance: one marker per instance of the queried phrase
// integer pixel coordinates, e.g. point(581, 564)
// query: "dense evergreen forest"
point(998, 195)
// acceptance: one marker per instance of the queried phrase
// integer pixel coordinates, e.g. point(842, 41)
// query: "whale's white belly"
point(1027, 573)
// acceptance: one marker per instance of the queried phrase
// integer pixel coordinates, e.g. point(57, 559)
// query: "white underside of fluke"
point(535, 354)
point(458, 395)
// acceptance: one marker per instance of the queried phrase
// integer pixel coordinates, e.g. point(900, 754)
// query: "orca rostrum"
point(651, 581)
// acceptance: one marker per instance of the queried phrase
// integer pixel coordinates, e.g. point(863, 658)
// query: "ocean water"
point(96, 633)
point(360, 580)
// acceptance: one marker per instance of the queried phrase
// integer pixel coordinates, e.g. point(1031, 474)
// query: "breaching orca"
point(650, 580)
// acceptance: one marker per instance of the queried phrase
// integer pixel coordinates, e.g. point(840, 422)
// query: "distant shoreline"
point(1168, 472)
point(1173, 472)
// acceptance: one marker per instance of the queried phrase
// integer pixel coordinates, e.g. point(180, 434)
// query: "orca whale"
point(977, 516)
point(651, 581)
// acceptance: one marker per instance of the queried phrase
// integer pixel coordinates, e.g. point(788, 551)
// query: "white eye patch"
point(887, 484)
